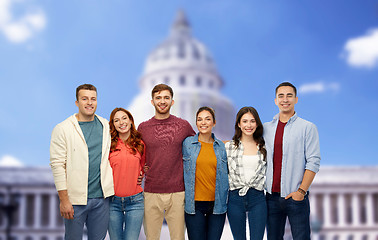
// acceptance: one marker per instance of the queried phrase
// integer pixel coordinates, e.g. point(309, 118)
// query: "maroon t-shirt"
point(277, 157)
point(163, 139)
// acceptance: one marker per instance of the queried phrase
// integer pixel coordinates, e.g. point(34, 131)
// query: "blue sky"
point(328, 49)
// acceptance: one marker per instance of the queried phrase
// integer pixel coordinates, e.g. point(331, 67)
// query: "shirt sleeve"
point(140, 128)
point(143, 158)
point(312, 149)
point(58, 158)
point(191, 132)
point(184, 147)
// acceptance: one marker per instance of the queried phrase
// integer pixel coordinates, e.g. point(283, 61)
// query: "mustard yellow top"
point(206, 171)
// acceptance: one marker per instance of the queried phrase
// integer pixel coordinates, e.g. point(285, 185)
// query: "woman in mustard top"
point(206, 180)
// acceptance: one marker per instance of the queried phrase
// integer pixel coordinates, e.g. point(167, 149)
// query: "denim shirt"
point(300, 151)
point(190, 150)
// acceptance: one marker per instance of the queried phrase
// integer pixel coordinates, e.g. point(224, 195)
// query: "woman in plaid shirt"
point(246, 156)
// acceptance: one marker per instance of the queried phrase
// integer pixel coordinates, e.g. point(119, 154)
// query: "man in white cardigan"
point(79, 153)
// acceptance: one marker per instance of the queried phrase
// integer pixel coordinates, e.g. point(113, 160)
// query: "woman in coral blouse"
point(127, 159)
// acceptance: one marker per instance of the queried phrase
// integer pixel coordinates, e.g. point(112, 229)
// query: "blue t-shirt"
point(93, 137)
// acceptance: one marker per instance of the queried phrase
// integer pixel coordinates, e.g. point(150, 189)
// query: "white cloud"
point(363, 51)
point(36, 20)
point(16, 32)
point(21, 29)
point(318, 87)
point(4, 12)
point(10, 161)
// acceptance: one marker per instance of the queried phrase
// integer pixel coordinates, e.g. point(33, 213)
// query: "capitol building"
point(344, 199)
point(184, 63)
point(344, 204)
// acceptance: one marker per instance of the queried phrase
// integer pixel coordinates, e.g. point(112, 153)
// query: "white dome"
point(185, 64)
point(184, 49)
point(180, 51)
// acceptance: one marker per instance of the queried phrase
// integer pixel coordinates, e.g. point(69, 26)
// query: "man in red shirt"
point(164, 189)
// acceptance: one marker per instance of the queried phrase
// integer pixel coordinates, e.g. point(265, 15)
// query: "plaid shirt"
point(236, 170)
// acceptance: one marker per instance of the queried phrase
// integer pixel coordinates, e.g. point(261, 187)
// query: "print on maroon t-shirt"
point(163, 139)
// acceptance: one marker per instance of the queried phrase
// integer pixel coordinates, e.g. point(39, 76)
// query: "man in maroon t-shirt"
point(164, 189)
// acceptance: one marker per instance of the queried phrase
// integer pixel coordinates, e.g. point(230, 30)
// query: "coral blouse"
point(126, 169)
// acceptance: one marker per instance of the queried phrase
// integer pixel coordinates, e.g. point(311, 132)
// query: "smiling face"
point(162, 101)
point(286, 100)
point(205, 122)
point(122, 124)
point(87, 104)
point(247, 125)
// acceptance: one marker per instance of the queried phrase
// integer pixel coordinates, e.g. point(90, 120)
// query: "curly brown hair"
point(135, 139)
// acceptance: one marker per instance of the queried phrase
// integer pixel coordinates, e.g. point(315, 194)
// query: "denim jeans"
point(126, 217)
point(298, 213)
point(204, 225)
point(96, 217)
point(252, 204)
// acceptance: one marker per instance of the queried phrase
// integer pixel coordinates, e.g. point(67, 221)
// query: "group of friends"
point(191, 180)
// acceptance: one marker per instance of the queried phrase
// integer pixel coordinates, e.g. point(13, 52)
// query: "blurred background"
point(224, 54)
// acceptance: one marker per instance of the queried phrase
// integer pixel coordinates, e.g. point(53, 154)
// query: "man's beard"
point(166, 110)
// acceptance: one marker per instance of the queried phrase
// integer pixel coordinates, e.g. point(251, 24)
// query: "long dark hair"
point(135, 139)
point(257, 135)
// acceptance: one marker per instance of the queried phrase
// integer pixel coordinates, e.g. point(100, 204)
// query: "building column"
point(53, 210)
point(341, 209)
point(22, 211)
point(355, 210)
point(313, 208)
point(327, 210)
point(314, 236)
point(37, 211)
point(369, 209)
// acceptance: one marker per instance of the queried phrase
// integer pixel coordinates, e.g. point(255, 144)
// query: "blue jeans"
point(204, 225)
point(126, 217)
point(252, 204)
point(298, 213)
point(96, 217)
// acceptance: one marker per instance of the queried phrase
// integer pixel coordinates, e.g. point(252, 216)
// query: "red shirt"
point(126, 169)
point(277, 157)
point(163, 139)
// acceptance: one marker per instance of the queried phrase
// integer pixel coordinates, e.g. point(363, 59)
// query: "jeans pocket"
point(295, 202)
point(138, 198)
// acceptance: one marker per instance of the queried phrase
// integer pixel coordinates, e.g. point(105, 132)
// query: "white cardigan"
point(69, 160)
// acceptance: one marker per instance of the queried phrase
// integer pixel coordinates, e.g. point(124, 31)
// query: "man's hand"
point(66, 210)
point(146, 168)
point(308, 177)
point(140, 178)
point(296, 196)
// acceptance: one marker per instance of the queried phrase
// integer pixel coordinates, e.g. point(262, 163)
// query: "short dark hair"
point(205, 108)
point(85, 87)
point(161, 87)
point(287, 84)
